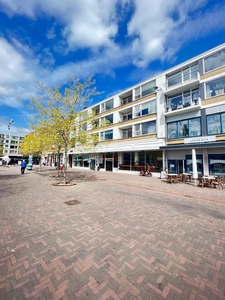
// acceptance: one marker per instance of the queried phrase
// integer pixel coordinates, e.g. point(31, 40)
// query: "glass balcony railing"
point(182, 104)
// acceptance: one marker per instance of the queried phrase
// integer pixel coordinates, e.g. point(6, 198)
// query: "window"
point(145, 89)
point(127, 117)
point(145, 109)
point(214, 61)
point(106, 135)
point(107, 119)
point(84, 127)
point(145, 128)
point(148, 88)
point(184, 128)
point(217, 164)
point(107, 105)
point(215, 87)
point(216, 123)
point(184, 75)
point(189, 166)
point(127, 133)
point(137, 93)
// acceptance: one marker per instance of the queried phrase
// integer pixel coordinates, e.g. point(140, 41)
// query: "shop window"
point(189, 166)
point(217, 164)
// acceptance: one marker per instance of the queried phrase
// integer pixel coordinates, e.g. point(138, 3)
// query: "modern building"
point(158, 122)
point(9, 148)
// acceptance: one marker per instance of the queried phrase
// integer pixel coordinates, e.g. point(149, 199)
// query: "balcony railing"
point(137, 133)
point(126, 100)
point(182, 104)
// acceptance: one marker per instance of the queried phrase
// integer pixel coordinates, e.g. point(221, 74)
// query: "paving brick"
point(129, 238)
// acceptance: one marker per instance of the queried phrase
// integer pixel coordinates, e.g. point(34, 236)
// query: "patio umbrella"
point(194, 165)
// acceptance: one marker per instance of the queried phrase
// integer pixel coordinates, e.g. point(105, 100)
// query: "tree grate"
point(72, 202)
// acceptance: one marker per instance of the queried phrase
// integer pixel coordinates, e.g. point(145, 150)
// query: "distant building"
point(10, 148)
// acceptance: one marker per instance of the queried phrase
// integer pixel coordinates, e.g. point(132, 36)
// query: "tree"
point(35, 144)
point(58, 112)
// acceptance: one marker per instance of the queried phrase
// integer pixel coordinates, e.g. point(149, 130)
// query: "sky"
point(118, 42)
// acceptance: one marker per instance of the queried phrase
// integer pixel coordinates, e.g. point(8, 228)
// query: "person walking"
point(23, 166)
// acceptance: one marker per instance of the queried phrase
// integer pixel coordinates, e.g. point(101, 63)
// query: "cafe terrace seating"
point(211, 181)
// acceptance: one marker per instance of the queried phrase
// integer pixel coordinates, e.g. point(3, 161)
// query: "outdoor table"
point(209, 180)
point(187, 176)
point(172, 177)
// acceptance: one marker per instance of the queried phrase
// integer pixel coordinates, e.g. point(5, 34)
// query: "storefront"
point(210, 158)
point(119, 161)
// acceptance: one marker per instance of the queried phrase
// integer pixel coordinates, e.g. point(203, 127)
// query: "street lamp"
point(9, 128)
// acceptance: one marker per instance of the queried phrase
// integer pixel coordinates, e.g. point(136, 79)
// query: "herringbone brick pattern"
point(129, 238)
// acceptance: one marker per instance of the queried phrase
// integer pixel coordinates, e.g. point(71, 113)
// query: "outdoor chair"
point(218, 183)
point(202, 182)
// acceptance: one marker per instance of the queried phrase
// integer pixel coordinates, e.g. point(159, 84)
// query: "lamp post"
point(9, 128)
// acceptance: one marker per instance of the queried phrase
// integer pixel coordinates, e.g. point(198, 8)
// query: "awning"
point(191, 146)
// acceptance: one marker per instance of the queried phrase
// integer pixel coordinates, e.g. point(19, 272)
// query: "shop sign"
point(200, 139)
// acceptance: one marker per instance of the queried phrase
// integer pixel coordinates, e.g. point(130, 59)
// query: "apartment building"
point(158, 122)
point(9, 147)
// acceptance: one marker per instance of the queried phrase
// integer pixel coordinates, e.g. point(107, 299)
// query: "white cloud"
point(156, 30)
point(159, 29)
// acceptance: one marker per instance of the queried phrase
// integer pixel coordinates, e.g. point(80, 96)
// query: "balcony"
point(183, 107)
point(182, 81)
point(126, 100)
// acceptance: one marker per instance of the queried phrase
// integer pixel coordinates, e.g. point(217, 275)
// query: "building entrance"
point(109, 164)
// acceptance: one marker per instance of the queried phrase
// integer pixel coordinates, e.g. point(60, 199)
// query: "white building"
point(158, 122)
point(9, 147)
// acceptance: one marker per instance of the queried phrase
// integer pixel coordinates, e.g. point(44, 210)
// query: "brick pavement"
point(130, 237)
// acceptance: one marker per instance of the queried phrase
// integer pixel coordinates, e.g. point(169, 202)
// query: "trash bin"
point(29, 167)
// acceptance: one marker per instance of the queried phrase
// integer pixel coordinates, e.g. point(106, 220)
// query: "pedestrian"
point(23, 166)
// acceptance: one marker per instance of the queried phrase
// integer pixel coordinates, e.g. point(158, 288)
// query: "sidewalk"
point(125, 237)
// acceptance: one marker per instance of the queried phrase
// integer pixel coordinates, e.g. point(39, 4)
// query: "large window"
point(145, 128)
point(145, 109)
point(107, 119)
point(215, 87)
point(215, 61)
point(127, 133)
point(145, 89)
point(184, 128)
point(189, 165)
point(106, 135)
point(217, 164)
point(107, 105)
point(184, 75)
point(216, 123)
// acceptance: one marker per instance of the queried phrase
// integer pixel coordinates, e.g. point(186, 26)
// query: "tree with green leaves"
point(35, 144)
point(58, 112)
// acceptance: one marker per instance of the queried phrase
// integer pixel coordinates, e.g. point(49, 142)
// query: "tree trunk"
point(65, 166)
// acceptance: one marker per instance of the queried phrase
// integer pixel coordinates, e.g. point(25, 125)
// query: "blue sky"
point(119, 42)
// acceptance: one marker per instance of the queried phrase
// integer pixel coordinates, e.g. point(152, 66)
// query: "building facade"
point(9, 148)
point(158, 122)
